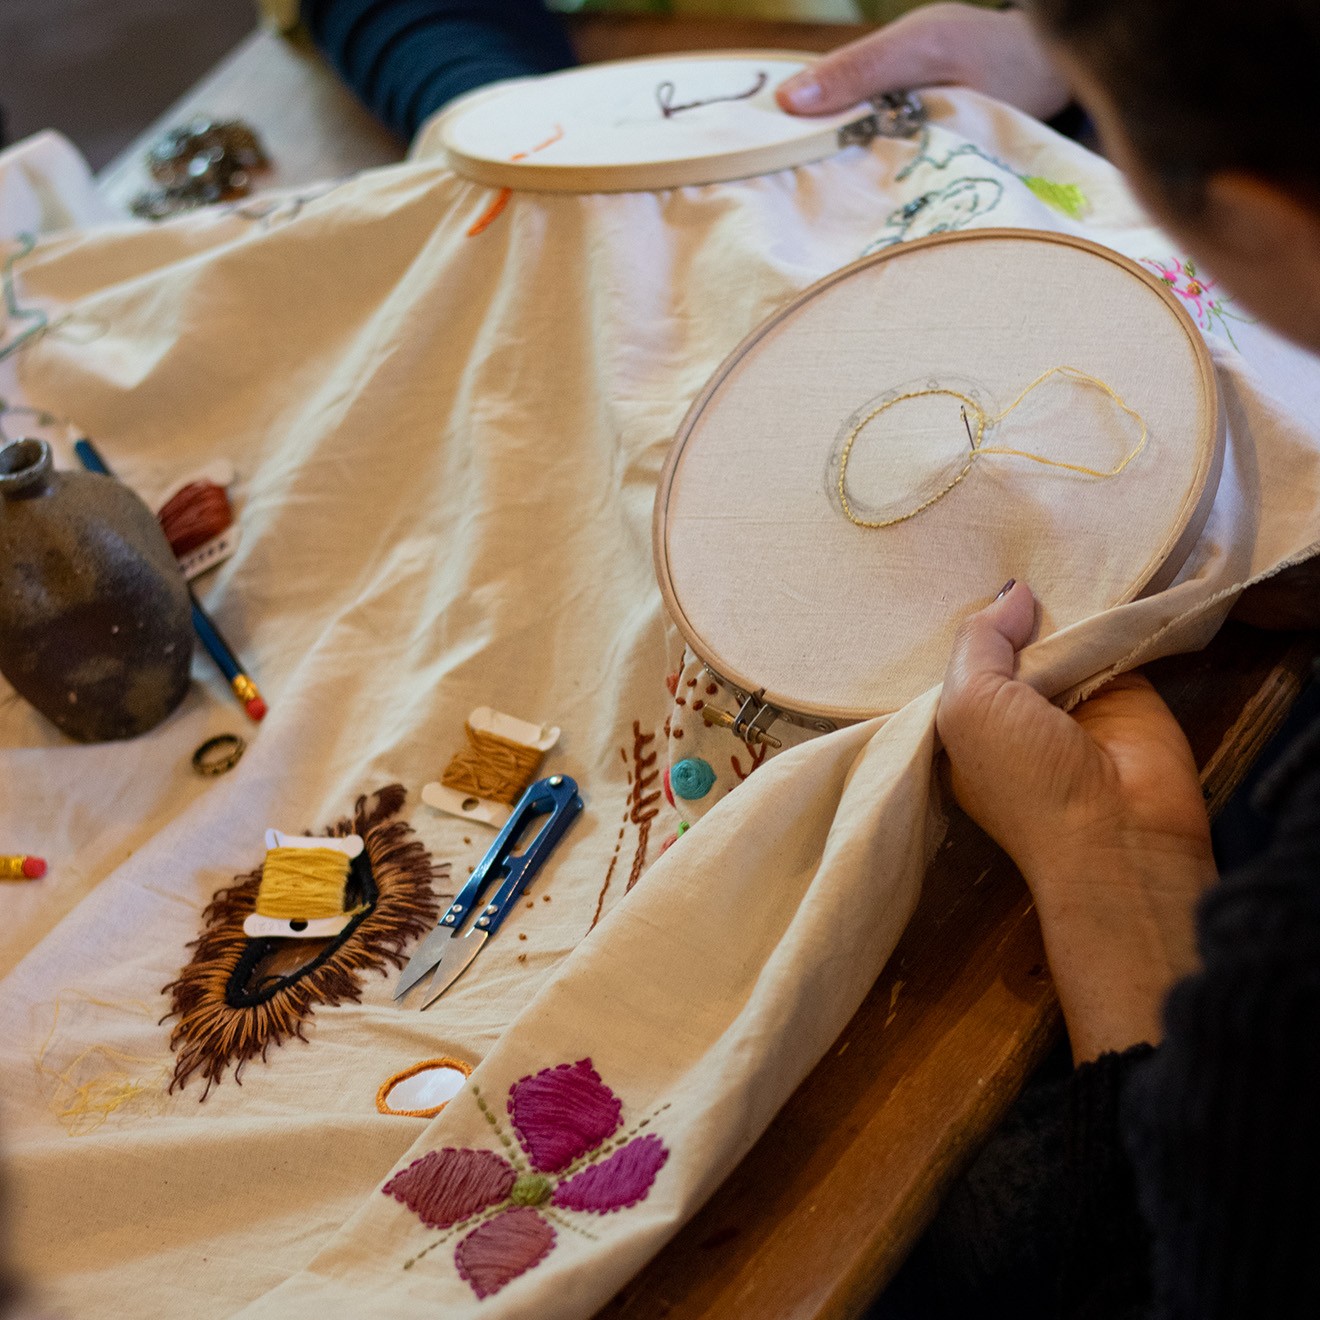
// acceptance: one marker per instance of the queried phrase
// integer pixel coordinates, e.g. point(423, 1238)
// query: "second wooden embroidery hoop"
point(804, 616)
point(538, 134)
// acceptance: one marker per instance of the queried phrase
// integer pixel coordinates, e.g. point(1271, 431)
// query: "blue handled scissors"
point(445, 949)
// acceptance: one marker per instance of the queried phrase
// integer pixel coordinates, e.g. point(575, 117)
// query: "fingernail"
point(1006, 588)
point(802, 95)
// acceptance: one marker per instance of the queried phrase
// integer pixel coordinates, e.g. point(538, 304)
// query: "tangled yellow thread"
point(978, 450)
point(83, 1099)
point(302, 884)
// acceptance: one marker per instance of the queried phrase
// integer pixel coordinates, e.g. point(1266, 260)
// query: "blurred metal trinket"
point(893, 115)
point(201, 162)
point(218, 755)
point(900, 114)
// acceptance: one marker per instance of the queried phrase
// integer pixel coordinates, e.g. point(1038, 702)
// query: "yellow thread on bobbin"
point(302, 884)
point(492, 767)
point(978, 450)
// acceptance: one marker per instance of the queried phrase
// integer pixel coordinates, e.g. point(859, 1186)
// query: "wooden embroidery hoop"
point(802, 615)
point(549, 134)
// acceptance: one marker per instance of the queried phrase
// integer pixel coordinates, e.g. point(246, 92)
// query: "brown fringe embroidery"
point(221, 1020)
point(644, 806)
point(640, 810)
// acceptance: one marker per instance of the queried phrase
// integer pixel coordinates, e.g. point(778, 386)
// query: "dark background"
point(101, 71)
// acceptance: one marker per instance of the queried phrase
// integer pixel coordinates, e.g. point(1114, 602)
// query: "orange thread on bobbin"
point(492, 767)
point(195, 515)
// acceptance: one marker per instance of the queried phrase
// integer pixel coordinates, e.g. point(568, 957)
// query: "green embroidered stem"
point(923, 157)
point(622, 1139)
point(472, 1221)
point(568, 1224)
point(1067, 198)
point(510, 1147)
point(26, 242)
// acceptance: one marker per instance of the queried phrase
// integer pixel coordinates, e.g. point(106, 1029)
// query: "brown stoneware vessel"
point(95, 621)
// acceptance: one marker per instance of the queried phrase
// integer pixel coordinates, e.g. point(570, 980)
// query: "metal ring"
point(219, 754)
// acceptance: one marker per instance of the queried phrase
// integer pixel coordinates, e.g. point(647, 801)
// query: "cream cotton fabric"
point(447, 449)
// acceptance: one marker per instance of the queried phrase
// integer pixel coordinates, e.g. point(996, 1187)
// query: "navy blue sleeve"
point(1221, 1121)
point(407, 58)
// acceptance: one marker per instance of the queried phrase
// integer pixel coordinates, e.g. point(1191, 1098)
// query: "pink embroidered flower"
point(564, 1118)
point(1210, 309)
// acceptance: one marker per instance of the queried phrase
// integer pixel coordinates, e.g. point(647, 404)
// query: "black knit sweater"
point(408, 58)
point(1179, 1183)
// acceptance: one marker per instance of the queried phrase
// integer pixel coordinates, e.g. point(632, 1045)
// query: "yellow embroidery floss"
point(492, 767)
point(101, 1080)
point(978, 449)
point(302, 884)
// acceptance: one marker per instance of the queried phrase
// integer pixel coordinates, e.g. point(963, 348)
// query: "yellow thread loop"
point(978, 449)
point(302, 884)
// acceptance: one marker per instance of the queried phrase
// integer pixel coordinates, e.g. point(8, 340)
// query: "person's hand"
point(993, 51)
point(1101, 810)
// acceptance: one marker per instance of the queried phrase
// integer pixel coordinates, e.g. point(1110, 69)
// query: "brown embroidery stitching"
point(644, 806)
point(609, 875)
point(665, 92)
point(640, 809)
point(756, 753)
point(222, 1019)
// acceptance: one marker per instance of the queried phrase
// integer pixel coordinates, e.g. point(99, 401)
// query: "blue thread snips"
point(445, 949)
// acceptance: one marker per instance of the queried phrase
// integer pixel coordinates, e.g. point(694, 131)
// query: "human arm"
point(406, 59)
point(993, 51)
point(1212, 1134)
point(1102, 812)
point(1220, 1122)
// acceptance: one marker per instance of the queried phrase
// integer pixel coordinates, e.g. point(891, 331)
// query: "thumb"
point(983, 660)
point(987, 644)
point(891, 60)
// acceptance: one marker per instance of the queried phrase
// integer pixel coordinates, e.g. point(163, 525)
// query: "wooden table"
point(824, 1208)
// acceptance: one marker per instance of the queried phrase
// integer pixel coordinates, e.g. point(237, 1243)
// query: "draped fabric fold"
point(447, 450)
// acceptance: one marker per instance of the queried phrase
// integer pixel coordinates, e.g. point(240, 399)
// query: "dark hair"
point(1204, 85)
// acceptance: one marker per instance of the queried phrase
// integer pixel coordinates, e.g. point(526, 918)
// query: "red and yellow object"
point(22, 868)
point(246, 691)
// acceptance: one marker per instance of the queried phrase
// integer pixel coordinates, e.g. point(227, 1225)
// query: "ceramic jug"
point(95, 622)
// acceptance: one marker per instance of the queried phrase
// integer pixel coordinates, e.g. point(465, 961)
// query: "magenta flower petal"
point(562, 1113)
point(503, 1248)
point(447, 1186)
point(615, 1183)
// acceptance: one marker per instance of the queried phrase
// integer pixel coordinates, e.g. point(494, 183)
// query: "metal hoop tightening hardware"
point(751, 722)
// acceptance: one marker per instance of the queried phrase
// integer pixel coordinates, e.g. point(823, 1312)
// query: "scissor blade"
point(429, 954)
point(453, 963)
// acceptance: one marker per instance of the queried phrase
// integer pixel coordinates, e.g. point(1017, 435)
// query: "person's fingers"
point(899, 56)
point(988, 641)
point(983, 660)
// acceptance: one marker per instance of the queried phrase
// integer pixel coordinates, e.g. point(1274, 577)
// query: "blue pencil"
point(203, 625)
